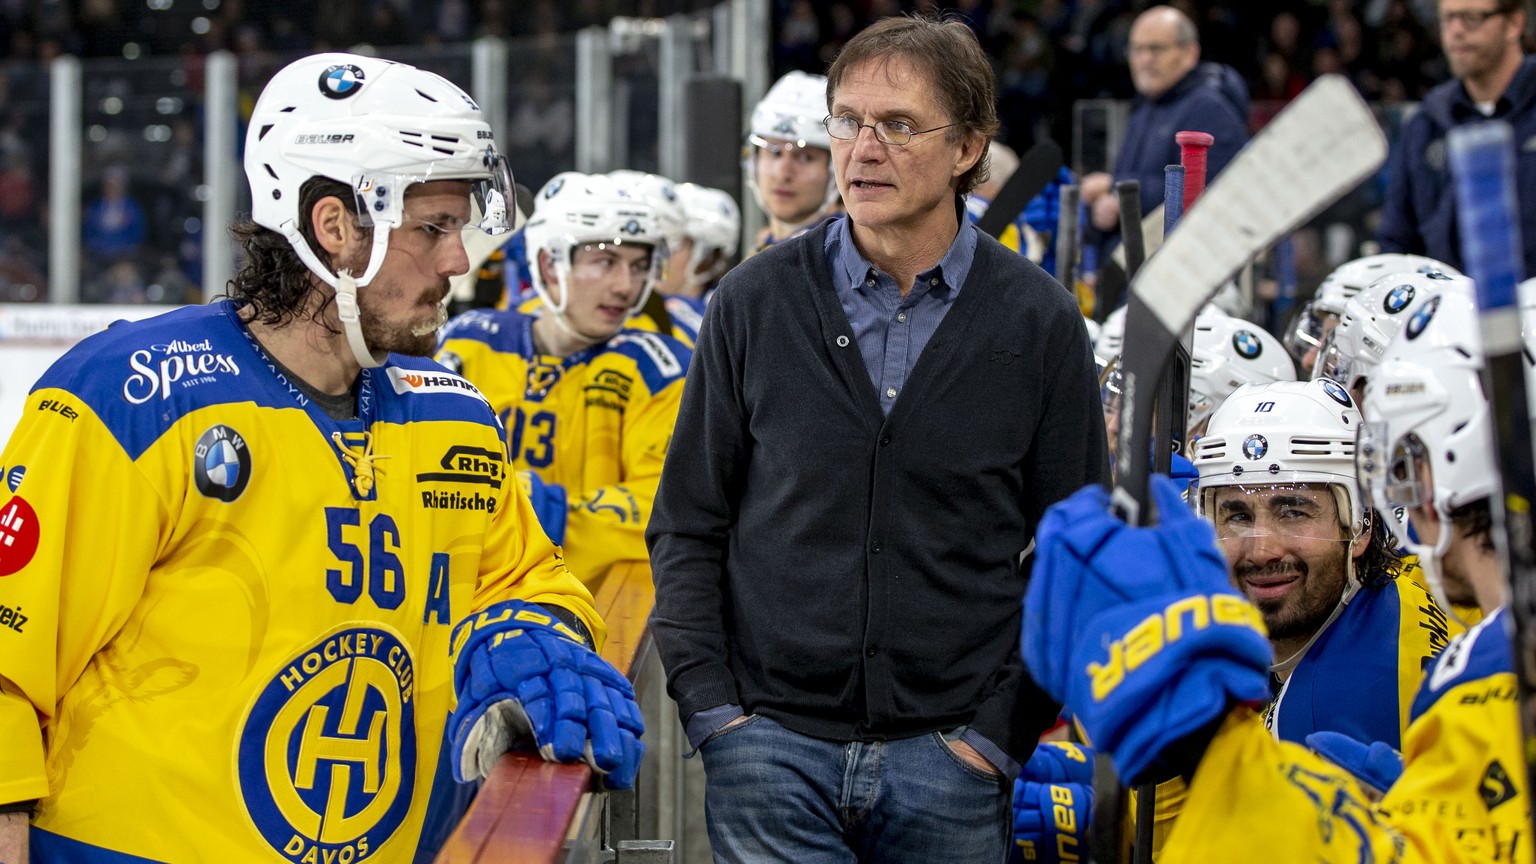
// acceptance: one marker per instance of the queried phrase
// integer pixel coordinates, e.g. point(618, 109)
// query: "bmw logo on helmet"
point(631, 227)
point(1247, 344)
point(1398, 299)
point(1421, 318)
point(554, 187)
point(1255, 446)
point(786, 126)
point(341, 82)
point(1336, 392)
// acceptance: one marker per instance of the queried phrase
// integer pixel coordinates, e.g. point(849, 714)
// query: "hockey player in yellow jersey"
point(588, 403)
point(1164, 662)
point(256, 551)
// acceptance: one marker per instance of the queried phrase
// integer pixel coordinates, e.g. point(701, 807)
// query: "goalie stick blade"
point(1317, 149)
point(1037, 168)
point(1483, 163)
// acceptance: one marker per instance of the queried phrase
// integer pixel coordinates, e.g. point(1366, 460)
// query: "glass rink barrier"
point(121, 175)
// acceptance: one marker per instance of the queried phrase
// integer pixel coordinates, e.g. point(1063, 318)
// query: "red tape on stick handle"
point(1192, 147)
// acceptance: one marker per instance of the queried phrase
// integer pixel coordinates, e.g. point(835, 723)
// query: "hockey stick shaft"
point(1135, 243)
point(1483, 163)
point(1316, 150)
point(1193, 148)
point(1067, 238)
point(1037, 168)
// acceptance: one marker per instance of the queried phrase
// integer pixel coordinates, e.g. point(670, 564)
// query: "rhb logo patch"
point(327, 751)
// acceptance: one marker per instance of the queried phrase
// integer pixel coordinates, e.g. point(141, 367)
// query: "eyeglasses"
point(1471, 19)
point(893, 132)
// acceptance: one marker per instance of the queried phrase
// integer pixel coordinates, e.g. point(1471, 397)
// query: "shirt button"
point(902, 317)
point(870, 283)
point(875, 547)
point(871, 651)
point(935, 280)
point(890, 392)
point(885, 440)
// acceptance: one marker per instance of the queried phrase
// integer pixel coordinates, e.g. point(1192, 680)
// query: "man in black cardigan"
point(876, 417)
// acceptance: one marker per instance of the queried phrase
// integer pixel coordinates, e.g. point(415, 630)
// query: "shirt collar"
point(851, 271)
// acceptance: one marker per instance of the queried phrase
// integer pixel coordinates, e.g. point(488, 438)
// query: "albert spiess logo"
point(327, 751)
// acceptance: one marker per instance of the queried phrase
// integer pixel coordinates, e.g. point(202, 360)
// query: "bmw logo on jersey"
point(222, 463)
point(327, 752)
point(341, 82)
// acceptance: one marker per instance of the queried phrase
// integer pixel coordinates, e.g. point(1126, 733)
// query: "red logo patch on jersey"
point(18, 535)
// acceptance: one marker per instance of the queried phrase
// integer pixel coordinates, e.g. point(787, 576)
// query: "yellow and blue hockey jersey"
point(597, 423)
point(1462, 795)
point(228, 615)
point(1360, 676)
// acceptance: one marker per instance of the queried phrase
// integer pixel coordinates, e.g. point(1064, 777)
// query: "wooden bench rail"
point(524, 811)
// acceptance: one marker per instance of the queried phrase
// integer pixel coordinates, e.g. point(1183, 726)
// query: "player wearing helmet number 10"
point(254, 552)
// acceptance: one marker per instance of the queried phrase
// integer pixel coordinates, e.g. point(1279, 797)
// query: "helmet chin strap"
point(1429, 561)
point(346, 286)
point(351, 321)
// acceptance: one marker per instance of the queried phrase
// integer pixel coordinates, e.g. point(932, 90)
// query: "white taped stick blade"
point(1319, 148)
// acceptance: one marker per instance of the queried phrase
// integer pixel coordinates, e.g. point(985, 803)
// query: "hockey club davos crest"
point(1254, 447)
point(1247, 345)
point(1420, 319)
point(341, 82)
point(1337, 393)
point(221, 463)
point(1397, 299)
point(327, 750)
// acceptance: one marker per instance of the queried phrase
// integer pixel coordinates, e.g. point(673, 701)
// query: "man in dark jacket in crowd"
point(1494, 79)
point(1177, 93)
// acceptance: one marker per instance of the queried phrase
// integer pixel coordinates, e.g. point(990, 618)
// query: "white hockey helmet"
point(378, 127)
point(1286, 432)
point(1111, 335)
point(1372, 317)
point(1228, 353)
point(790, 115)
point(1425, 399)
point(575, 209)
point(662, 195)
point(714, 223)
point(1351, 277)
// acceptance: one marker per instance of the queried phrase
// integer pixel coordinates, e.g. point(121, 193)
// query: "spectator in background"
point(114, 223)
point(1177, 93)
point(1493, 78)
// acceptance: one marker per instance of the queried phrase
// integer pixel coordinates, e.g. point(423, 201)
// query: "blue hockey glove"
point(549, 502)
point(1050, 821)
point(1138, 630)
point(520, 673)
point(1059, 762)
point(1376, 765)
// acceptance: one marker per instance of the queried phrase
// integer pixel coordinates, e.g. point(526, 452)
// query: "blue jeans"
point(776, 795)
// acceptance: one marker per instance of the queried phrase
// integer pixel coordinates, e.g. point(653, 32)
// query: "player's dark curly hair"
point(273, 281)
point(1475, 521)
point(1380, 562)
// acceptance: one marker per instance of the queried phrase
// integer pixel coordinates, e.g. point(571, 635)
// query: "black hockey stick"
point(1037, 168)
point(1068, 240)
point(1483, 163)
point(1316, 150)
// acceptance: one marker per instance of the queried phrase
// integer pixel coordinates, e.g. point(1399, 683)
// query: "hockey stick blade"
point(1037, 168)
point(1483, 163)
point(1316, 150)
